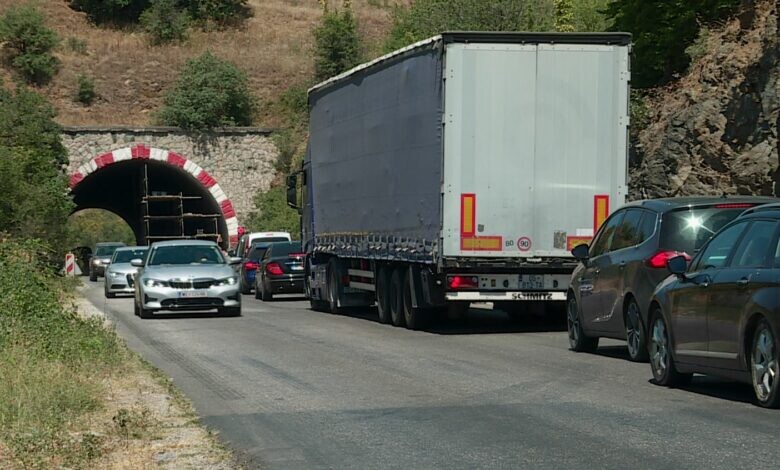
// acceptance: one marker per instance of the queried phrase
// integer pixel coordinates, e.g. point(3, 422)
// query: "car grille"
point(191, 284)
point(192, 303)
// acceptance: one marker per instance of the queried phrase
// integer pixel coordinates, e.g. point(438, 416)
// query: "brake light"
point(297, 255)
point(250, 265)
point(734, 205)
point(274, 269)
point(660, 259)
point(463, 282)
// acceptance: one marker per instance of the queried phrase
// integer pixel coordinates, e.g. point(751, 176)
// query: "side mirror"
point(292, 191)
point(138, 263)
point(232, 253)
point(581, 252)
point(677, 266)
point(233, 260)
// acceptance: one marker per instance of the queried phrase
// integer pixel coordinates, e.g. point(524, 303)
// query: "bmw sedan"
point(119, 272)
point(186, 275)
point(721, 314)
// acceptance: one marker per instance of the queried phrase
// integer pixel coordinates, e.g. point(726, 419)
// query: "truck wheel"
point(397, 297)
point(414, 317)
point(333, 287)
point(382, 294)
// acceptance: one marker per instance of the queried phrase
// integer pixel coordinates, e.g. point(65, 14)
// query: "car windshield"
point(186, 254)
point(690, 228)
point(284, 249)
point(125, 256)
point(106, 250)
point(270, 239)
point(258, 251)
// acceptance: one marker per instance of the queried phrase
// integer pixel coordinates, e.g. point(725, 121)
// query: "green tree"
point(111, 11)
point(219, 12)
point(27, 121)
point(662, 30)
point(564, 16)
point(210, 93)
point(337, 42)
point(273, 213)
point(85, 90)
point(164, 22)
point(590, 15)
point(29, 43)
point(90, 226)
point(426, 18)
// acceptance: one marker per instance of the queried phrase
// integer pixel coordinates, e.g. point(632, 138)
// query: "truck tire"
point(383, 294)
point(414, 317)
point(397, 297)
point(333, 287)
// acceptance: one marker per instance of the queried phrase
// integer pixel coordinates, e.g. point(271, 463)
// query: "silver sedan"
point(119, 272)
point(188, 275)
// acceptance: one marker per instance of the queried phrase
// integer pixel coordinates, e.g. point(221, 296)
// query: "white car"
point(119, 272)
point(249, 239)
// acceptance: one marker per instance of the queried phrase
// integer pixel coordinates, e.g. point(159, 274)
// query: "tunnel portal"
point(160, 194)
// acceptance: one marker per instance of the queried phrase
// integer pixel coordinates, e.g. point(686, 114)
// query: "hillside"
point(274, 47)
point(715, 130)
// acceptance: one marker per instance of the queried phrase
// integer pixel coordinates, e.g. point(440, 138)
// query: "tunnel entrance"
point(161, 195)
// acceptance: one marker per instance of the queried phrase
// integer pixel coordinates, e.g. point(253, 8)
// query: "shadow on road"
point(615, 352)
point(184, 315)
point(720, 388)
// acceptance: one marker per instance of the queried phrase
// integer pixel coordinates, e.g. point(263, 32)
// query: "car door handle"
point(622, 265)
point(743, 282)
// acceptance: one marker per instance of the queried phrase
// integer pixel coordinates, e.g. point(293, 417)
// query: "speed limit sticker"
point(523, 243)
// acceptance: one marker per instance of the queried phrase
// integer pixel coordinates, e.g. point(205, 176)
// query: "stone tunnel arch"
point(118, 180)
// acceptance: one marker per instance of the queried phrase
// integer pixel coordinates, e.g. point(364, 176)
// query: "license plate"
point(193, 294)
point(296, 267)
point(532, 282)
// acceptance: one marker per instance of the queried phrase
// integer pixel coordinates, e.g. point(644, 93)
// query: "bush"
point(77, 45)
point(219, 12)
point(164, 22)
point(111, 11)
point(85, 91)
point(273, 213)
point(209, 93)
point(662, 30)
point(28, 43)
point(337, 43)
point(27, 121)
point(426, 18)
point(564, 16)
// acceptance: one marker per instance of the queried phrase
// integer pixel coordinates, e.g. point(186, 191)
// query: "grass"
point(274, 46)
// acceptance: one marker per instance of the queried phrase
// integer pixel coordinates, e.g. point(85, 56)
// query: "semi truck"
point(463, 168)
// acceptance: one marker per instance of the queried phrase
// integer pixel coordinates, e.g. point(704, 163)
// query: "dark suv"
point(721, 314)
point(611, 289)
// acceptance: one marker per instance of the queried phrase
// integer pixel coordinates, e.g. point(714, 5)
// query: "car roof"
point(671, 203)
point(133, 248)
point(110, 244)
point(266, 234)
point(770, 211)
point(185, 243)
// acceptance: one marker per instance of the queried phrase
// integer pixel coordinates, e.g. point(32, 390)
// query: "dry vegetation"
point(274, 47)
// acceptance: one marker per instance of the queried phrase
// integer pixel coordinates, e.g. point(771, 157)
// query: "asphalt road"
point(289, 388)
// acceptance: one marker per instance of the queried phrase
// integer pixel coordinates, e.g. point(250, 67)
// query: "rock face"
point(241, 160)
point(715, 130)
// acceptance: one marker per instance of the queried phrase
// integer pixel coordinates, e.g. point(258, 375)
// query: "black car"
point(611, 289)
point(280, 271)
point(721, 314)
point(249, 264)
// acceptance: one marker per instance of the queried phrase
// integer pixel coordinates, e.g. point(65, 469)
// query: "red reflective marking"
point(176, 159)
point(103, 160)
point(75, 179)
point(227, 209)
point(206, 179)
point(468, 220)
point(140, 151)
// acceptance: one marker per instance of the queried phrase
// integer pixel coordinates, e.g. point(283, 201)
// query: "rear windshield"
point(125, 256)
point(106, 250)
point(284, 249)
point(270, 239)
point(186, 254)
point(257, 251)
point(689, 229)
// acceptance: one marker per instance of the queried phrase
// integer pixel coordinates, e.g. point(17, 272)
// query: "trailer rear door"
point(535, 147)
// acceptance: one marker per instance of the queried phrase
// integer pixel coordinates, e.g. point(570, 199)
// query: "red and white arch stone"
point(141, 151)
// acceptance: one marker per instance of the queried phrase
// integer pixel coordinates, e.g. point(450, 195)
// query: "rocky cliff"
point(715, 130)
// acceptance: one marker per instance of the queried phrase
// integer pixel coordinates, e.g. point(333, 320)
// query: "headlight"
point(155, 283)
point(115, 274)
point(228, 281)
point(96, 261)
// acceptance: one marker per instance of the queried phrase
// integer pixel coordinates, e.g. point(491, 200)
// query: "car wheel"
point(257, 291)
point(92, 276)
point(661, 361)
point(136, 310)
point(333, 287)
point(414, 317)
point(230, 311)
point(110, 295)
point(383, 295)
point(146, 313)
point(397, 297)
point(764, 366)
point(264, 294)
point(636, 339)
point(245, 289)
point(578, 341)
